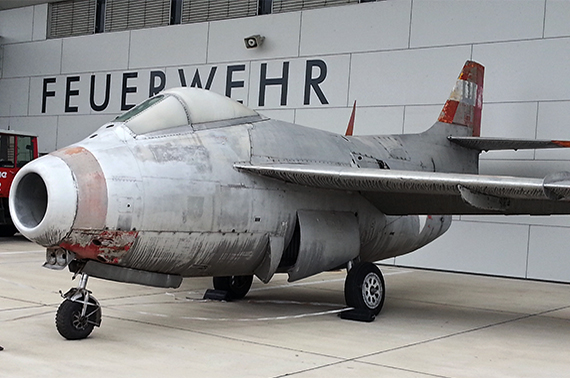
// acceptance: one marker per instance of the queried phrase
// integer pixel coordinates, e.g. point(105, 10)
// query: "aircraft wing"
point(417, 192)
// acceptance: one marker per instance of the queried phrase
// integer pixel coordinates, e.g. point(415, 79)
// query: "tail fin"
point(465, 102)
point(350, 128)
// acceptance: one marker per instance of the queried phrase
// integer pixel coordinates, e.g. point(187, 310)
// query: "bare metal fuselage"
point(172, 202)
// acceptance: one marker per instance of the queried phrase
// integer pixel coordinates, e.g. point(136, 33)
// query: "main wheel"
point(236, 286)
point(364, 288)
point(7, 230)
point(69, 322)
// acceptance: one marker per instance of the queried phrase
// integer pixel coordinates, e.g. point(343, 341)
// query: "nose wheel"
point(79, 313)
point(364, 288)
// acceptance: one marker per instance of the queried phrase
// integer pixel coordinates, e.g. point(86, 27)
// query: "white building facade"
point(398, 59)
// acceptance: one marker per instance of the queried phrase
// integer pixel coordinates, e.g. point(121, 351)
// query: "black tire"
point(7, 230)
point(237, 287)
point(69, 322)
point(364, 288)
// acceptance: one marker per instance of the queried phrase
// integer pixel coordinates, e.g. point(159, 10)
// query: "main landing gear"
point(78, 313)
point(236, 287)
point(365, 291)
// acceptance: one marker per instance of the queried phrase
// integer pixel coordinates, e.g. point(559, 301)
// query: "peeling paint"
point(106, 246)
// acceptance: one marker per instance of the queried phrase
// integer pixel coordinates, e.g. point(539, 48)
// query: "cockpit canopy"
point(185, 106)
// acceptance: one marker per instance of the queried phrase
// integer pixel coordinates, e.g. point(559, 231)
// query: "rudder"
point(465, 102)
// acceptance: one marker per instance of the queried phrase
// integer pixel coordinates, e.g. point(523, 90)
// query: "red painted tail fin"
point(466, 100)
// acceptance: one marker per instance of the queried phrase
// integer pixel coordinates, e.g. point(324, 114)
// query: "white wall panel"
point(444, 22)
point(287, 115)
point(51, 105)
point(14, 97)
point(525, 70)
point(16, 25)
point(521, 168)
point(168, 46)
point(420, 118)
point(72, 129)
point(98, 52)
point(334, 86)
point(137, 81)
point(281, 34)
point(548, 253)
point(203, 76)
point(553, 123)
point(332, 120)
point(32, 59)
point(39, 30)
point(553, 220)
point(512, 120)
point(214, 77)
point(377, 120)
point(422, 76)
point(382, 25)
point(44, 127)
point(499, 249)
point(556, 21)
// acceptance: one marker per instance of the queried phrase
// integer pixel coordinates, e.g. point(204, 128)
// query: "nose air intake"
point(31, 199)
point(43, 200)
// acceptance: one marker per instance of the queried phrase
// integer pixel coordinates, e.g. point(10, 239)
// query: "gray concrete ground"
point(433, 325)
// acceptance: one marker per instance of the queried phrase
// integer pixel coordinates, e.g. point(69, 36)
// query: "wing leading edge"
point(416, 192)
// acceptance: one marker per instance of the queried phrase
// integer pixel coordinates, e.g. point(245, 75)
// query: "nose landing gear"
point(79, 313)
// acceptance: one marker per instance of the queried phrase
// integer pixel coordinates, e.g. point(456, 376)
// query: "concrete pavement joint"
point(355, 359)
point(222, 337)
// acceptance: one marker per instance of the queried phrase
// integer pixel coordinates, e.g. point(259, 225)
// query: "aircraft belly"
point(197, 253)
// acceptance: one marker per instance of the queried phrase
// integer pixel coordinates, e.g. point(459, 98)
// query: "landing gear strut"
point(78, 313)
point(235, 286)
point(364, 288)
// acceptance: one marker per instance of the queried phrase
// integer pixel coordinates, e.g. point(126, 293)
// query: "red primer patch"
point(106, 246)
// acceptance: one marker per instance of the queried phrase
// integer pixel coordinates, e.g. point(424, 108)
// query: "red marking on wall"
point(105, 246)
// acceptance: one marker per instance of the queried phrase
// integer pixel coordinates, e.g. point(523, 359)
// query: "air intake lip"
point(43, 200)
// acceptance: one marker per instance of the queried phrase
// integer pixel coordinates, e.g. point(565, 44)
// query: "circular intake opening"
point(30, 200)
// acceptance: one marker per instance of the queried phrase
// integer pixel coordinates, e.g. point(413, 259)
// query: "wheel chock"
point(359, 315)
point(216, 295)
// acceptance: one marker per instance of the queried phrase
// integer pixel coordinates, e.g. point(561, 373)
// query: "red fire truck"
point(16, 150)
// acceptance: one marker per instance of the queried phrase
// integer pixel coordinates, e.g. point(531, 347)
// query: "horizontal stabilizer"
point(417, 192)
point(489, 144)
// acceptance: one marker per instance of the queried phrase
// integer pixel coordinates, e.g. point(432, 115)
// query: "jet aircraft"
point(191, 183)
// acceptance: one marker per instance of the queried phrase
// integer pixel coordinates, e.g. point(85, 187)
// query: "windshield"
point(7, 149)
point(157, 113)
point(25, 150)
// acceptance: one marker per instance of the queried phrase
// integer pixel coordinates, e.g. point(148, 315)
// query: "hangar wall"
point(398, 59)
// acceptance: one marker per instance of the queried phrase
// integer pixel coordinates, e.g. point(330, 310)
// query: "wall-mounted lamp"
point(253, 41)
